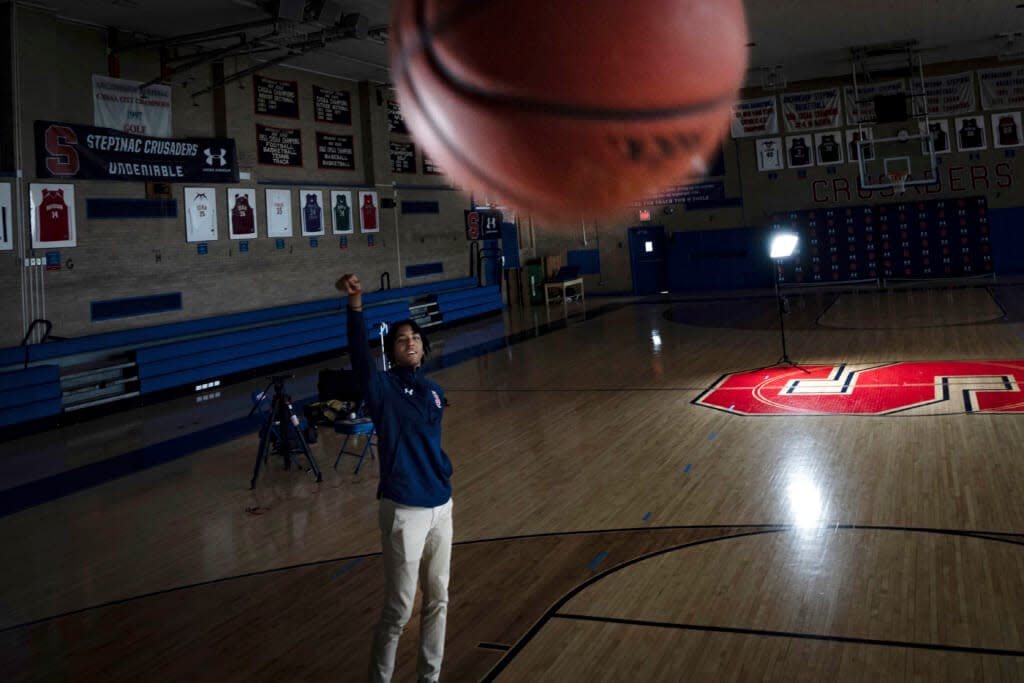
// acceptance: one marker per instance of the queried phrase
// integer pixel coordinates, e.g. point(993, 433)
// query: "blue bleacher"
point(175, 355)
point(29, 394)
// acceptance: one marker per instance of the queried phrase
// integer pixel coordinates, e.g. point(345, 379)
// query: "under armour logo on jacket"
point(210, 156)
point(409, 392)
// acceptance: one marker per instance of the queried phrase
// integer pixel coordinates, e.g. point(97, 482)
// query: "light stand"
point(781, 305)
point(782, 246)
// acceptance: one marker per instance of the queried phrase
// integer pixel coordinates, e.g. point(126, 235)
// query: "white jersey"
point(202, 218)
point(769, 157)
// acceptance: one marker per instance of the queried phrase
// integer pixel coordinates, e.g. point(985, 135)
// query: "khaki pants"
point(417, 542)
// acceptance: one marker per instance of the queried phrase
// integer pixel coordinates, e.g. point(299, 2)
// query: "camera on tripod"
point(281, 431)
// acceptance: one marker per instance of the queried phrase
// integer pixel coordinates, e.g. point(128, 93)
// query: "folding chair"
point(341, 385)
point(360, 426)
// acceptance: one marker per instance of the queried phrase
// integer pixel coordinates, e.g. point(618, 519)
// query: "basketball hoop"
point(898, 180)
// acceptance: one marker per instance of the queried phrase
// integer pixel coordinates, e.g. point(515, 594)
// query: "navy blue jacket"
point(406, 409)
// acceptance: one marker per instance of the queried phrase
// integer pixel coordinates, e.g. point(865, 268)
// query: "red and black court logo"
point(914, 388)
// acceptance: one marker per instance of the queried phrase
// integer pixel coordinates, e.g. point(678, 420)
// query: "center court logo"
point(912, 388)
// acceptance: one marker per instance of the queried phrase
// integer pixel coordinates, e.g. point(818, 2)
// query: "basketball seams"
point(565, 157)
point(403, 74)
point(424, 45)
point(485, 175)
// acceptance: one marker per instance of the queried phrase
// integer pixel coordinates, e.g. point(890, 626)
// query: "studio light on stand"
point(782, 246)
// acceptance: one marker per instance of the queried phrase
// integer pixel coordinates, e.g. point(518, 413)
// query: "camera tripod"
point(281, 430)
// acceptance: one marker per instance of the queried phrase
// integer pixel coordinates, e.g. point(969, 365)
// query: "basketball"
point(573, 108)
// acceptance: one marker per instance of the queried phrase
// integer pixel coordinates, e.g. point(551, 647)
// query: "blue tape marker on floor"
point(686, 470)
point(712, 435)
point(347, 568)
point(597, 560)
point(647, 516)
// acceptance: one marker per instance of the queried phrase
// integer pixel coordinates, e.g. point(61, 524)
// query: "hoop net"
point(898, 180)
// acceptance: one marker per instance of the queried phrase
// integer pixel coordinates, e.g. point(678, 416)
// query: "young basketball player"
point(414, 491)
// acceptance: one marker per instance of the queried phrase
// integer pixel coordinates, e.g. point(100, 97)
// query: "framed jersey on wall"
point(970, 133)
point(829, 147)
point(1006, 129)
point(242, 213)
point(770, 154)
point(312, 212)
point(858, 141)
point(800, 151)
point(938, 129)
point(52, 210)
point(200, 214)
point(279, 213)
point(341, 212)
point(369, 219)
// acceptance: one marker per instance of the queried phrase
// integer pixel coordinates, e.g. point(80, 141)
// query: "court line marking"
point(1013, 538)
point(494, 646)
point(553, 610)
point(347, 568)
point(795, 634)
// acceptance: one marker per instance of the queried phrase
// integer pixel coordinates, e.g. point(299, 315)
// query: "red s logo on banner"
point(922, 387)
point(63, 159)
point(473, 225)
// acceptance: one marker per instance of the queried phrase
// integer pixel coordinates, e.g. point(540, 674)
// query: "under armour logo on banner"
point(409, 392)
point(210, 156)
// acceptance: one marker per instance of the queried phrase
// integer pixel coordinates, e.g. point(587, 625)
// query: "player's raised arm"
point(358, 344)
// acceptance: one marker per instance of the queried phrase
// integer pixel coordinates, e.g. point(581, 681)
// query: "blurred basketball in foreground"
point(568, 108)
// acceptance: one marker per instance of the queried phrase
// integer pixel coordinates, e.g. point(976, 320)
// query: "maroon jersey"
point(369, 214)
point(242, 219)
point(1008, 131)
point(54, 222)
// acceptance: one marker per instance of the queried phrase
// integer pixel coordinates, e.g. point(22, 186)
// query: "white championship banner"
point(1002, 88)
point(755, 117)
point(947, 95)
point(119, 104)
point(812, 110)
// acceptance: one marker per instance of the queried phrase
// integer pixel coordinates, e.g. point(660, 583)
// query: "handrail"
point(49, 326)
point(28, 334)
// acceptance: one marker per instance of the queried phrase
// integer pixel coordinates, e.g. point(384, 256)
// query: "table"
point(560, 288)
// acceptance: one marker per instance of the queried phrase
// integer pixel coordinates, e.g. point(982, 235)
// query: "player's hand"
point(349, 285)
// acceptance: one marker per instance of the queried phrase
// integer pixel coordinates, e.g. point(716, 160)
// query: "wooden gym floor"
point(607, 527)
